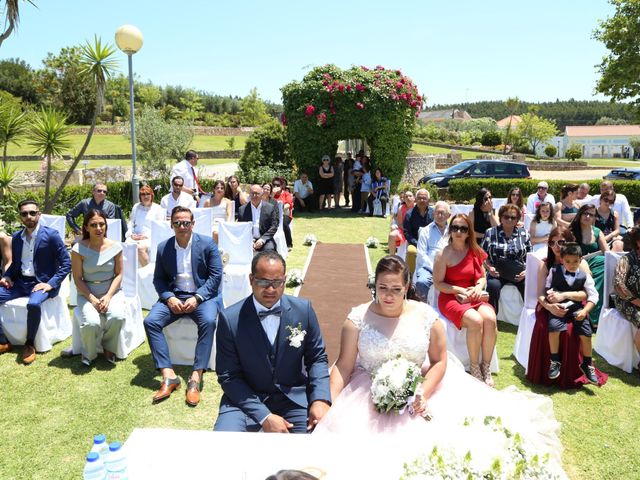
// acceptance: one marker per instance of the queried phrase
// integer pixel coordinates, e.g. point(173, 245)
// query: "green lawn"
point(119, 144)
point(51, 409)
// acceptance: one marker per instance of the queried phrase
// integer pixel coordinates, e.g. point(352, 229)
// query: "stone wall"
point(36, 179)
point(417, 167)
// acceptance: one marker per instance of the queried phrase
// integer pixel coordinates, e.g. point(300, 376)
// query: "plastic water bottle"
point(100, 445)
point(94, 468)
point(116, 463)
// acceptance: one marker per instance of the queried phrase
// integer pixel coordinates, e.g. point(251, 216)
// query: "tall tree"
point(253, 110)
point(620, 68)
point(98, 64)
point(17, 78)
point(11, 13)
point(536, 130)
point(13, 126)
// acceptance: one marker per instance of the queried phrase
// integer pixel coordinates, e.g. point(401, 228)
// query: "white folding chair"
point(204, 221)
point(132, 333)
point(528, 314)
point(58, 223)
point(510, 305)
point(160, 231)
point(114, 229)
point(614, 340)
point(235, 239)
point(279, 238)
point(388, 210)
point(528, 218)
point(203, 200)
point(182, 337)
point(461, 208)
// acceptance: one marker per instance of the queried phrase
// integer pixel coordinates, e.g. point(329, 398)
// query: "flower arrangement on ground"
point(309, 239)
point(372, 242)
point(294, 278)
point(394, 385)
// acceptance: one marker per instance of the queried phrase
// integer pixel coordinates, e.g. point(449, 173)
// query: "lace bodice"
point(410, 339)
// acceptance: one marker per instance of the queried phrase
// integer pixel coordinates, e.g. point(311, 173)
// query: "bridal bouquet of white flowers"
point(372, 242)
point(394, 385)
point(294, 278)
point(309, 239)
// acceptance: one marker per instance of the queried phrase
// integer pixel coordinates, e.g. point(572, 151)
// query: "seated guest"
point(396, 235)
point(569, 341)
point(98, 201)
point(187, 276)
point(507, 247)
point(264, 218)
point(627, 285)
point(269, 382)
point(266, 194)
point(482, 217)
point(515, 197)
point(431, 239)
point(541, 225)
point(139, 229)
point(222, 208)
point(608, 221)
point(620, 204)
point(583, 193)
point(97, 272)
point(459, 276)
point(303, 193)
point(567, 277)
point(568, 205)
point(40, 264)
point(176, 197)
point(419, 216)
point(232, 192)
point(379, 191)
point(542, 195)
point(5, 251)
point(282, 195)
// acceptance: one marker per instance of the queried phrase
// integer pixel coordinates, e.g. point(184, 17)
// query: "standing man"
point(431, 239)
point(186, 169)
point(187, 276)
point(177, 197)
point(40, 264)
point(303, 193)
point(542, 195)
point(98, 201)
point(270, 358)
point(264, 218)
point(419, 216)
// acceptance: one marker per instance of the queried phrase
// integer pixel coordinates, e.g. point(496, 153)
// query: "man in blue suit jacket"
point(187, 276)
point(40, 264)
point(270, 357)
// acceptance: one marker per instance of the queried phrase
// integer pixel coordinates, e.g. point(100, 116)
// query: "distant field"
point(118, 144)
point(35, 165)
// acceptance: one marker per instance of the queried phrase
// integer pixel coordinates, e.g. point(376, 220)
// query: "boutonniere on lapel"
point(296, 336)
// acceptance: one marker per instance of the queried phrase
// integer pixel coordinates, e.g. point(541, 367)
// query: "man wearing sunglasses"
point(187, 276)
point(40, 264)
point(620, 204)
point(270, 358)
point(542, 195)
point(98, 201)
point(177, 197)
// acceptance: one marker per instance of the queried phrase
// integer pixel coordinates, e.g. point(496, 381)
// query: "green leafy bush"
point(574, 151)
point(331, 104)
point(491, 138)
point(266, 152)
point(550, 151)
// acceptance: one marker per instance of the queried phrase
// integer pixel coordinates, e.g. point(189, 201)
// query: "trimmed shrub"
point(550, 151)
point(574, 151)
point(491, 138)
point(266, 152)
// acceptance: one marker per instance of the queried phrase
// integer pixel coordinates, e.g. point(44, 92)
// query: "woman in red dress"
point(459, 276)
point(539, 352)
point(396, 235)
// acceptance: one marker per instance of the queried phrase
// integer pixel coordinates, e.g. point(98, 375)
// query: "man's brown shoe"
point(28, 354)
point(193, 393)
point(5, 347)
point(166, 389)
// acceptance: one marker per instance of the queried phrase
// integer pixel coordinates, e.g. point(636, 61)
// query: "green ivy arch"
point(331, 104)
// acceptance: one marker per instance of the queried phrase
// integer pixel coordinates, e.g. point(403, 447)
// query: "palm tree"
point(11, 13)
point(13, 126)
point(50, 138)
point(97, 62)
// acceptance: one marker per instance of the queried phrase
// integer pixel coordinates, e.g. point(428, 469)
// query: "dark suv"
point(478, 169)
point(623, 174)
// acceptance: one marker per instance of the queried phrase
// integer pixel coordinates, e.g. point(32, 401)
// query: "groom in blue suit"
point(187, 276)
point(270, 357)
point(40, 264)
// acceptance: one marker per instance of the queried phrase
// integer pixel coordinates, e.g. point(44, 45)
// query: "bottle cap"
point(100, 438)
point(114, 446)
point(92, 456)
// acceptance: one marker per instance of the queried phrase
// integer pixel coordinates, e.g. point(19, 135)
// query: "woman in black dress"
point(325, 184)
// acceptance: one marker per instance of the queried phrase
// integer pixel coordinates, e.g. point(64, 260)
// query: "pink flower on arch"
point(348, 88)
point(322, 118)
point(379, 67)
point(399, 85)
point(364, 68)
point(414, 104)
point(359, 87)
point(341, 87)
point(309, 110)
point(360, 105)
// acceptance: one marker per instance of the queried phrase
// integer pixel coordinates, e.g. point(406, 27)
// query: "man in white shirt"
point(621, 205)
point(177, 197)
point(542, 195)
point(263, 216)
point(303, 193)
point(186, 170)
point(583, 194)
point(431, 239)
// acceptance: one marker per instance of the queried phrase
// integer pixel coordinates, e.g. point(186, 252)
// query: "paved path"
point(221, 171)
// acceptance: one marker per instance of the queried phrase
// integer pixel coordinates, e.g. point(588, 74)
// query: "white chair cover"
point(203, 199)
point(528, 314)
point(279, 238)
point(461, 208)
point(614, 341)
point(146, 291)
point(401, 251)
point(528, 218)
point(457, 339)
point(204, 221)
point(182, 336)
point(55, 323)
point(160, 231)
point(498, 202)
point(114, 229)
point(235, 239)
point(57, 222)
point(132, 333)
point(510, 305)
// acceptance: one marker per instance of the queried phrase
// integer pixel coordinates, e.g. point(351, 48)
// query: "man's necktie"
point(265, 313)
point(200, 191)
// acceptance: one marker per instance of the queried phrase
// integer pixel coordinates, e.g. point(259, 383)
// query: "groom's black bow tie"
point(265, 313)
point(570, 274)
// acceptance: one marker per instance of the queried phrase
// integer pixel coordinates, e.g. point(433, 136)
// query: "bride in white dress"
point(458, 404)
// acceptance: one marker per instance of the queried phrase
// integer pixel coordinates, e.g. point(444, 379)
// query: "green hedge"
point(465, 189)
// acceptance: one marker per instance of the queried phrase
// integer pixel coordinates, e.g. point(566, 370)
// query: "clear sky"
point(455, 50)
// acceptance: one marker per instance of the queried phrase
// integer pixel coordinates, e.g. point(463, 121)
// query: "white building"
point(602, 141)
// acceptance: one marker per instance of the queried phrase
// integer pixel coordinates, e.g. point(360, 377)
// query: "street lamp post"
point(129, 40)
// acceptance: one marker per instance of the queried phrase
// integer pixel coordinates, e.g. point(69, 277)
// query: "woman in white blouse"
point(139, 228)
